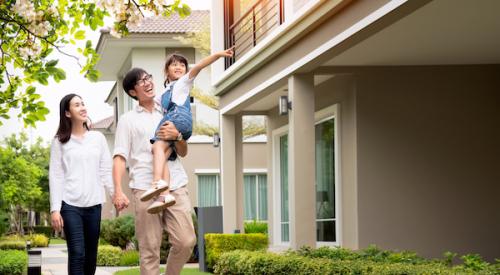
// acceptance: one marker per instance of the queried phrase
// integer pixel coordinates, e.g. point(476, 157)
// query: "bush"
point(45, 230)
point(216, 244)
point(12, 244)
point(4, 222)
point(344, 261)
point(13, 262)
point(108, 255)
point(129, 258)
point(256, 227)
point(38, 240)
point(118, 231)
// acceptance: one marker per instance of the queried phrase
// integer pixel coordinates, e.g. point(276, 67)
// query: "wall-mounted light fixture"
point(284, 105)
point(216, 142)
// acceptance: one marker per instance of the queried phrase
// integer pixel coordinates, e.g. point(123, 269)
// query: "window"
point(209, 190)
point(325, 181)
point(255, 197)
point(326, 185)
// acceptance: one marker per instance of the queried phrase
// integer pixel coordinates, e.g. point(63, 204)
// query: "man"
point(132, 145)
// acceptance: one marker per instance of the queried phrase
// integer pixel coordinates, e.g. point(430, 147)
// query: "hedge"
point(216, 244)
point(256, 227)
point(8, 244)
point(118, 231)
point(37, 240)
point(13, 262)
point(108, 255)
point(343, 261)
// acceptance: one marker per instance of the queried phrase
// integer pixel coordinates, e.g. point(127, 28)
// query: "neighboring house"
point(393, 133)
point(147, 47)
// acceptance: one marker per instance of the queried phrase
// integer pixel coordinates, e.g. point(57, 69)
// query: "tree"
point(31, 30)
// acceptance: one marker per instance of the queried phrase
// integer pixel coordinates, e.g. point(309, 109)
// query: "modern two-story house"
point(382, 120)
point(147, 47)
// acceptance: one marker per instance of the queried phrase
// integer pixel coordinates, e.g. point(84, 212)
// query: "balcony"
point(245, 31)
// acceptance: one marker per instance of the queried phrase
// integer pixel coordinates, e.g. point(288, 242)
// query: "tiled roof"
point(173, 24)
point(103, 123)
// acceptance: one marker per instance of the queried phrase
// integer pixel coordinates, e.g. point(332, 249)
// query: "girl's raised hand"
point(227, 53)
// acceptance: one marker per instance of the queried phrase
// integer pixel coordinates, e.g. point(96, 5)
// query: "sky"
point(93, 94)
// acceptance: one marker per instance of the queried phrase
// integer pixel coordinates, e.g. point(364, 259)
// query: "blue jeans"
point(81, 227)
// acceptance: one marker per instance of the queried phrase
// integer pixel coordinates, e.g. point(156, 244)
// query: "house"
point(147, 47)
point(389, 125)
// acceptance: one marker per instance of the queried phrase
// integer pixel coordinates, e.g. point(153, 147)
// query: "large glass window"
point(285, 221)
point(325, 181)
point(208, 190)
point(255, 197)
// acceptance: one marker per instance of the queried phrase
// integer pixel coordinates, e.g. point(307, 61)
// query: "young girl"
point(175, 102)
point(80, 167)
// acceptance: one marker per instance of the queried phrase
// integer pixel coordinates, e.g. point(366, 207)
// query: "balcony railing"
point(251, 27)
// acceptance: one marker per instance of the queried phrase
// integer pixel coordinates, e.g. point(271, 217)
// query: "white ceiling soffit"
point(443, 32)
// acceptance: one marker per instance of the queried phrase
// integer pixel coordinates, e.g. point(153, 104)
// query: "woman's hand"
point(57, 221)
point(167, 131)
point(226, 53)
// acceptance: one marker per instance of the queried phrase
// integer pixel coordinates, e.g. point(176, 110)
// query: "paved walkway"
point(55, 262)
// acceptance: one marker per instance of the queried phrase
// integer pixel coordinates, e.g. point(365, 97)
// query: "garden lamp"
point(34, 262)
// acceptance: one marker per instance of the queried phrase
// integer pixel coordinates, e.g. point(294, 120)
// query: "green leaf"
point(80, 35)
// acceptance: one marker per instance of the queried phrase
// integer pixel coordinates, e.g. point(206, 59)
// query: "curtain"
point(208, 190)
point(250, 197)
point(262, 180)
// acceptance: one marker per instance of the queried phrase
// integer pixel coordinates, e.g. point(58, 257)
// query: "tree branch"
point(44, 38)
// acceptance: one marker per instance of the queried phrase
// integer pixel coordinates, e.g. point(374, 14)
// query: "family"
point(149, 140)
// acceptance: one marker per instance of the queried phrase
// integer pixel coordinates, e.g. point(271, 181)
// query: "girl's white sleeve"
point(56, 176)
point(182, 88)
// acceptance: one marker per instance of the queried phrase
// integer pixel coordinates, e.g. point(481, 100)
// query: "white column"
point(301, 161)
point(232, 172)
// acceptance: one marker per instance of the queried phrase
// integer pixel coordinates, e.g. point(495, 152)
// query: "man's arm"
point(119, 199)
point(168, 132)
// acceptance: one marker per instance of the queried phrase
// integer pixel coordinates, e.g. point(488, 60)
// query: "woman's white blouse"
point(79, 170)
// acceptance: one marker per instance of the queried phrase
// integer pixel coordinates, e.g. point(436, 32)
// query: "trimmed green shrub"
point(255, 227)
point(45, 230)
point(12, 244)
point(216, 244)
point(38, 240)
point(344, 261)
point(13, 262)
point(118, 231)
point(129, 258)
point(108, 255)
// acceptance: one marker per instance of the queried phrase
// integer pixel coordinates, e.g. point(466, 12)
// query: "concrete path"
point(55, 262)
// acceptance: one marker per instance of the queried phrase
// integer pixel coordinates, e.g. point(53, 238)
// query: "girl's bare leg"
point(166, 170)
point(159, 159)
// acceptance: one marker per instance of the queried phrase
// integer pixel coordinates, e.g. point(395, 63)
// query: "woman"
point(80, 167)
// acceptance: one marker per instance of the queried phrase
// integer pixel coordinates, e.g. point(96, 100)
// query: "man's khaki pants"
point(177, 220)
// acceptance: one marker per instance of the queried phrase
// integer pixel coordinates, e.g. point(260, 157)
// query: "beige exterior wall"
point(428, 159)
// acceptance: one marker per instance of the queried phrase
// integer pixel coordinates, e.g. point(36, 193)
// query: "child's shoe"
point(161, 203)
point(158, 187)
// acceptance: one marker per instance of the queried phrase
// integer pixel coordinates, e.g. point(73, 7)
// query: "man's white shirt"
point(133, 132)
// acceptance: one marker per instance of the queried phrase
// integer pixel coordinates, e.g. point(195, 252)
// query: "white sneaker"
point(158, 187)
point(158, 205)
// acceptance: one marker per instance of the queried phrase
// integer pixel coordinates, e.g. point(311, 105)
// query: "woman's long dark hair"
point(64, 131)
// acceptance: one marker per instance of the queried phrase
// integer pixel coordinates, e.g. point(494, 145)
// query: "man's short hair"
point(131, 79)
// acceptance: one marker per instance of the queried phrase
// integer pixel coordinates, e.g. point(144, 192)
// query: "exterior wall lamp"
point(216, 141)
point(284, 105)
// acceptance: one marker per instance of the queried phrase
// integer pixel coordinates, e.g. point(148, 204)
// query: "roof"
point(103, 123)
point(174, 23)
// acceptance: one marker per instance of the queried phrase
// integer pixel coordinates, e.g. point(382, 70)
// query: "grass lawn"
point(57, 241)
point(185, 271)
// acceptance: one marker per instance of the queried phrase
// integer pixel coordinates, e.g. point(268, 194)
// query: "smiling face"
point(77, 111)
point(176, 70)
point(144, 88)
